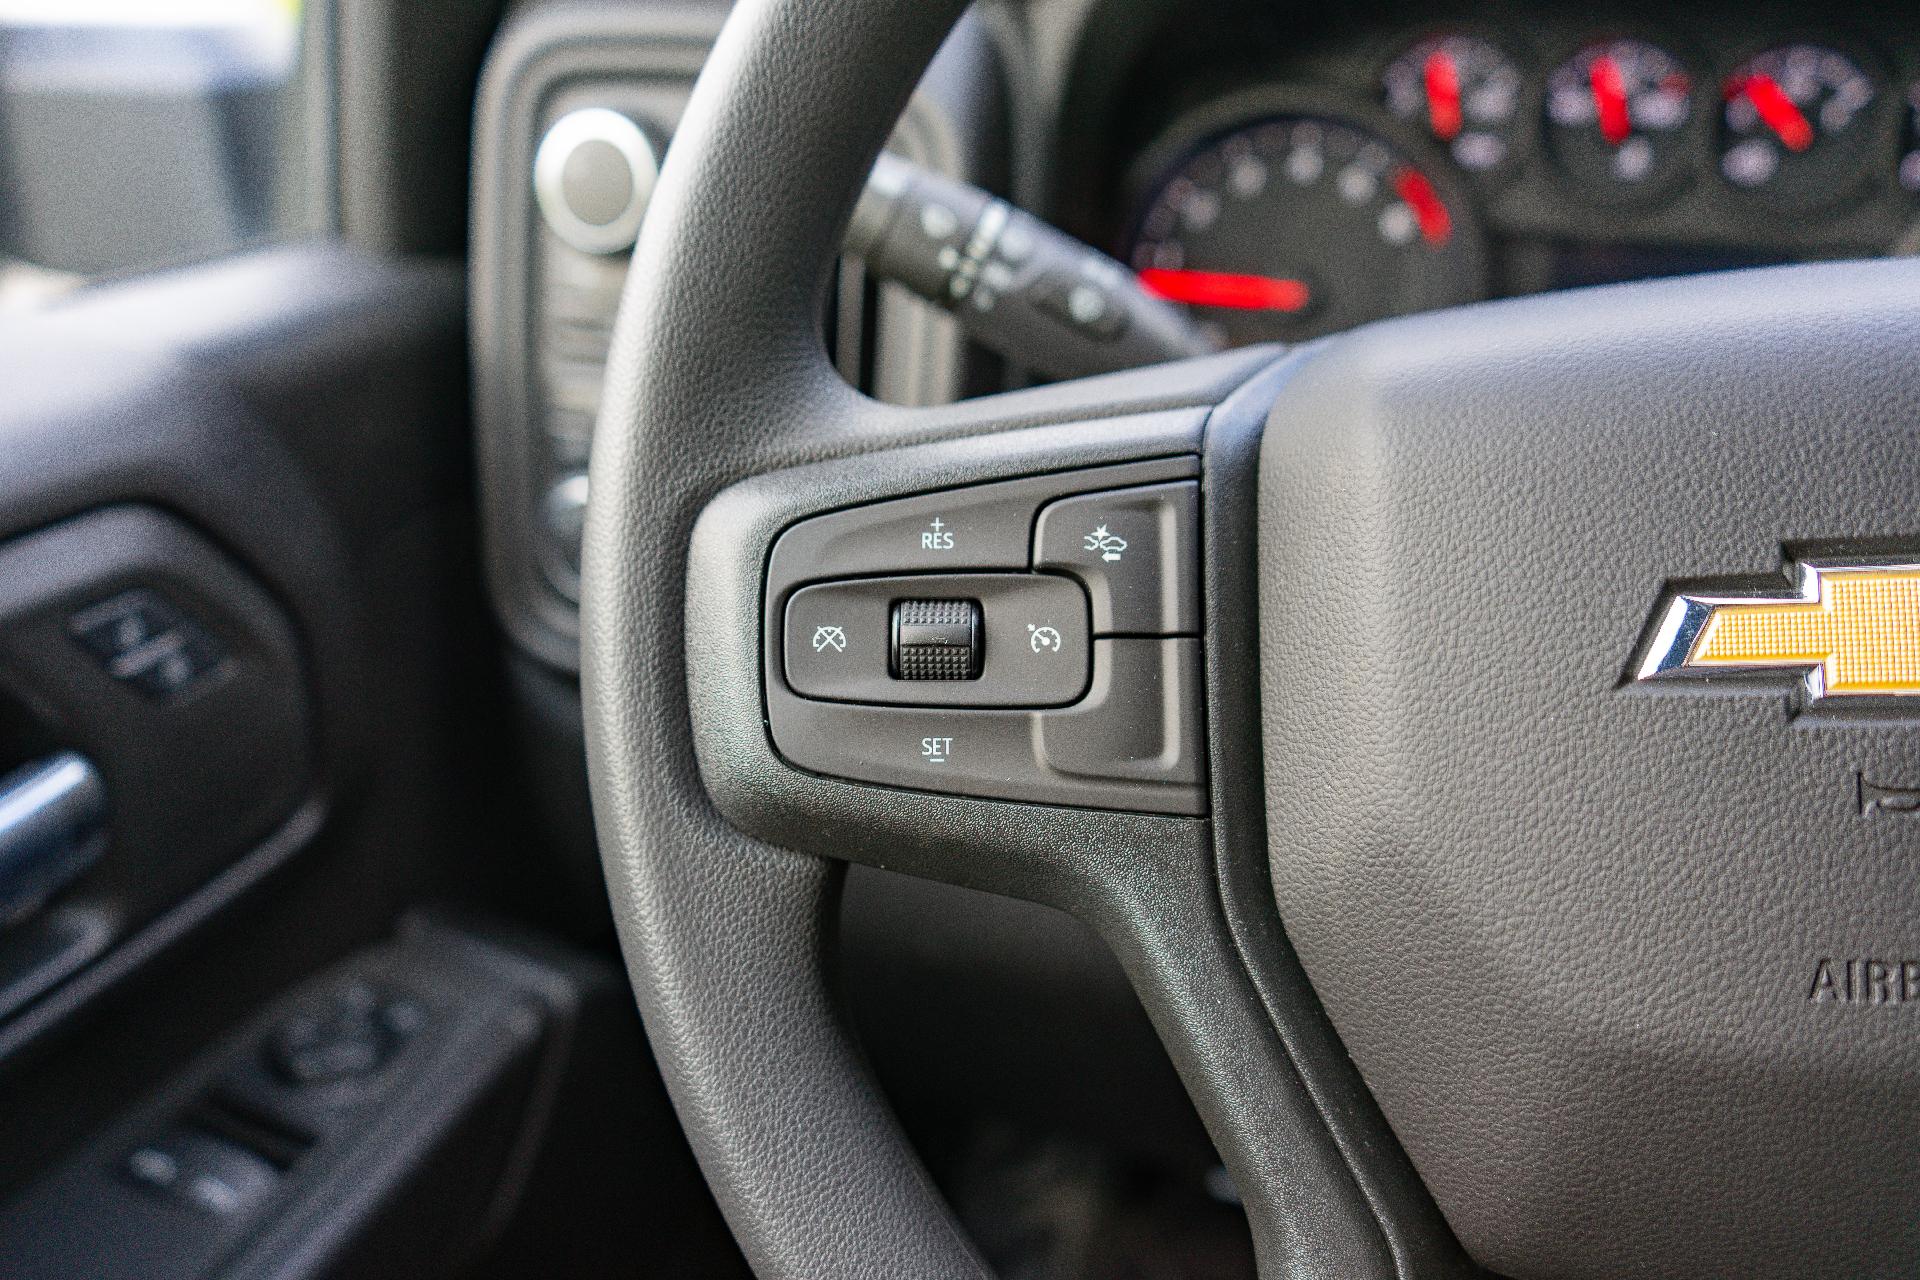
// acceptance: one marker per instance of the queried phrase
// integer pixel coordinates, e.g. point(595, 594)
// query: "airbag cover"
point(1569, 927)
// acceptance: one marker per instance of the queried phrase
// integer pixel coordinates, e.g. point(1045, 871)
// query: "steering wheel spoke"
point(806, 740)
point(934, 620)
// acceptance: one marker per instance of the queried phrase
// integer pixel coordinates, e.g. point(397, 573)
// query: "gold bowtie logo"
point(1850, 630)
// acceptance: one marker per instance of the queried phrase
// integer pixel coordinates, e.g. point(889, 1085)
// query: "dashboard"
point(1289, 172)
point(1283, 170)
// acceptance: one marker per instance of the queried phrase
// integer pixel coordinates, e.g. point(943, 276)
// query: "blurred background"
point(137, 134)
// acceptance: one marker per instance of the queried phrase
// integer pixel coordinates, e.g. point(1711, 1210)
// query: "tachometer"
point(1464, 92)
point(1796, 125)
point(1617, 113)
point(1299, 225)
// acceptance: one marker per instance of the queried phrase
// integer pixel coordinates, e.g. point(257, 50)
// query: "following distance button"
point(1137, 551)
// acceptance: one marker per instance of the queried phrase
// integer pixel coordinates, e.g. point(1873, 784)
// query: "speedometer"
point(1296, 225)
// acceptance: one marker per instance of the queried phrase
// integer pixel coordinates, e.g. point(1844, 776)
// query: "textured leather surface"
point(1568, 930)
point(1415, 1236)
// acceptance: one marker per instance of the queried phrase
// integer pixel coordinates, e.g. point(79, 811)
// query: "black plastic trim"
point(238, 398)
point(414, 1165)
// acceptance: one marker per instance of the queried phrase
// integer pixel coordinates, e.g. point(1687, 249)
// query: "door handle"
point(53, 826)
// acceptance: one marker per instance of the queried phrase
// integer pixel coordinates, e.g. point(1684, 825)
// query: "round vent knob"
point(593, 175)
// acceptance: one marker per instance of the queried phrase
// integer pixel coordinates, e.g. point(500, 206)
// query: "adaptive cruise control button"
point(1137, 551)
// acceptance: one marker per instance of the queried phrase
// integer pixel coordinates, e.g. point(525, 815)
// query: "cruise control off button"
point(1137, 551)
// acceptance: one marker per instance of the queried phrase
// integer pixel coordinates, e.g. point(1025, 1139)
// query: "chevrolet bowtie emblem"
point(1847, 630)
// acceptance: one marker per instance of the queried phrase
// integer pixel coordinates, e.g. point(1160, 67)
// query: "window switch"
point(154, 1167)
point(144, 640)
point(351, 1038)
point(170, 665)
point(129, 621)
point(205, 1172)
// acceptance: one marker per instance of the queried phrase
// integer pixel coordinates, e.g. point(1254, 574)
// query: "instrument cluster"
point(1449, 163)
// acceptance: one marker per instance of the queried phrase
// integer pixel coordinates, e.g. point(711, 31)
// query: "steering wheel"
point(1528, 902)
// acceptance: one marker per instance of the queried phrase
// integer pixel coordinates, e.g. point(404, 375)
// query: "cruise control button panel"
point(979, 641)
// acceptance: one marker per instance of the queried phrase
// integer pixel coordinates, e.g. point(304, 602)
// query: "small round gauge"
point(1795, 125)
point(1617, 113)
point(1299, 225)
point(1464, 92)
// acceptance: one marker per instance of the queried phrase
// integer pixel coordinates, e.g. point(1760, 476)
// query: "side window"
point(137, 134)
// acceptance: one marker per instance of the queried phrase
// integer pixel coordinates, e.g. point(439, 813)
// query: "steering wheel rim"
point(701, 365)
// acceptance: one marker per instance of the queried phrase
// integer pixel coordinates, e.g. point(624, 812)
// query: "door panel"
point(274, 446)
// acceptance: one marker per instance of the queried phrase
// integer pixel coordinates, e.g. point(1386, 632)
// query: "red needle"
point(1222, 289)
point(1443, 95)
point(1610, 97)
point(1781, 113)
point(1436, 224)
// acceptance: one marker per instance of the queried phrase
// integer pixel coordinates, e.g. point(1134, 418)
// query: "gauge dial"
point(1795, 125)
point(1301, 225)
point(1617, 113)
point(1464, 92)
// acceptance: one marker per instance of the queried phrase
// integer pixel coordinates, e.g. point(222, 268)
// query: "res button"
point(1137, 552)
point(933, 534)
